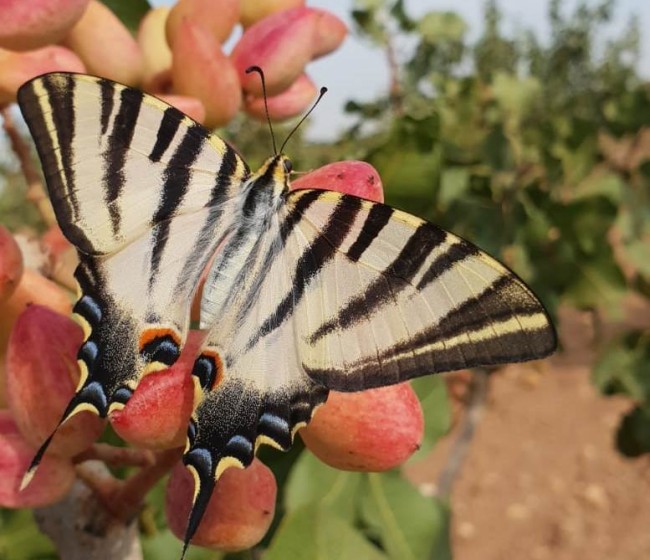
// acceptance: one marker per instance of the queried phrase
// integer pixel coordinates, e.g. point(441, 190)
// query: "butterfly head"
point(273, 175)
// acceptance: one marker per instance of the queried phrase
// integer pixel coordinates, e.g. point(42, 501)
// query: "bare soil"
point(543, 479)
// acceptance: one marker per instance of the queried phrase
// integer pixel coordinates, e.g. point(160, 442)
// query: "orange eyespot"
point(160, 345)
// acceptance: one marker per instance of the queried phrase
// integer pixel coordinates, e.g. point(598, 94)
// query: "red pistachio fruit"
point(41, 377)
point(201, 70)
point(350, 177)
point(32, 288)
point(282, 44)
point(51, 482)
point(156, 54)
point(62, 257)
point(11, 264)
point(105, 45)
point(289, 103)
point(218, 17)
point(157, 415)
point(373, 430)
point(252, 11)
point(239, 513)
point(31, 24)
point(18, 67)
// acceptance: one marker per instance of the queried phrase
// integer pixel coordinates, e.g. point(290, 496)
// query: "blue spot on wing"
point(240, 445)
point(274, 422)
point(94, 394)
point(88, 308)
point(88, 352)
point(201, 459)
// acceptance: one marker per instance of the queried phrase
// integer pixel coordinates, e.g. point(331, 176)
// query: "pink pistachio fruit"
point(239, 513)
point(11, 264)
point(218, 17)
point(158, 413)
point(41, 377)
point(200, 69)
point(282, 44)
point(51, 482)
point(16, 68)
point(31, 24)
point(252, 11)
point(105, 45)
point(291, 102)
point(351, 177)
point(156, 54)
point(191, 106)
point(373, 430)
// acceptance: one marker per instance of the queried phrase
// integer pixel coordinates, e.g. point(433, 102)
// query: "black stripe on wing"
point(51, 146)
point(176, 177)
point(458, 340)
point(227, 182)
point(117, 149)
point(397, 276)
point(107, 103)
point(169, 125)
point(378, 217)
point(316, 255)
point(273, 248)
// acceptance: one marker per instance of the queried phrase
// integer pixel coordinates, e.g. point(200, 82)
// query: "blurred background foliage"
point(539, 152)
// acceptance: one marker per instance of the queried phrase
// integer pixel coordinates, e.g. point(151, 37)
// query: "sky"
point(358, 70)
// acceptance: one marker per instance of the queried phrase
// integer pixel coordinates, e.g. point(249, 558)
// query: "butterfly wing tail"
point(85, 399)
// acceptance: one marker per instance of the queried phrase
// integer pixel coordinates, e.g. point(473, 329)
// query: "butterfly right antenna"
point(266, 106)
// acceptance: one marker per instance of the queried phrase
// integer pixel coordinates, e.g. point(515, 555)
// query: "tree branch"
point(478, 391)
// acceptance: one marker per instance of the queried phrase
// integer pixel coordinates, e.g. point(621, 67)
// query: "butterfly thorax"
point(266, 189)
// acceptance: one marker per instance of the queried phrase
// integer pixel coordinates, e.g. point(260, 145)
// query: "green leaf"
point(432, 392)
point(516, 96)
point(313, 482)
point(165, 546)
point(316, 533)
point(20, 538)
point(398, 11)
point(624, 367)
point(633, 437)
point(598, 283)
point(438, 27)
point(600, 183)
point(409, 525)
point(639, 254)
point(454, 184)
point(130, 12)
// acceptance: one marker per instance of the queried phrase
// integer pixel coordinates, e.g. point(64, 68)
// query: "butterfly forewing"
point(145, 194)
point(424, 301)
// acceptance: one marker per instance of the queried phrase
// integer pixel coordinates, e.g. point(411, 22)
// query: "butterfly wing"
point(145, 195)
point(398, 298)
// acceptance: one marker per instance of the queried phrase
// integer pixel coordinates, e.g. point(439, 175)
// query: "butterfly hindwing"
point(145, 194)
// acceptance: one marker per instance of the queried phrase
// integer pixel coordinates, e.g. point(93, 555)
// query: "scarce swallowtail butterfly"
point(307, 291)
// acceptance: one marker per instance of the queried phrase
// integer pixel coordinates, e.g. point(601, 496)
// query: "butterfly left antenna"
point(266, 106)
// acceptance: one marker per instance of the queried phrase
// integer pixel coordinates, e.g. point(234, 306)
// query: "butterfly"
point(307, 291)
